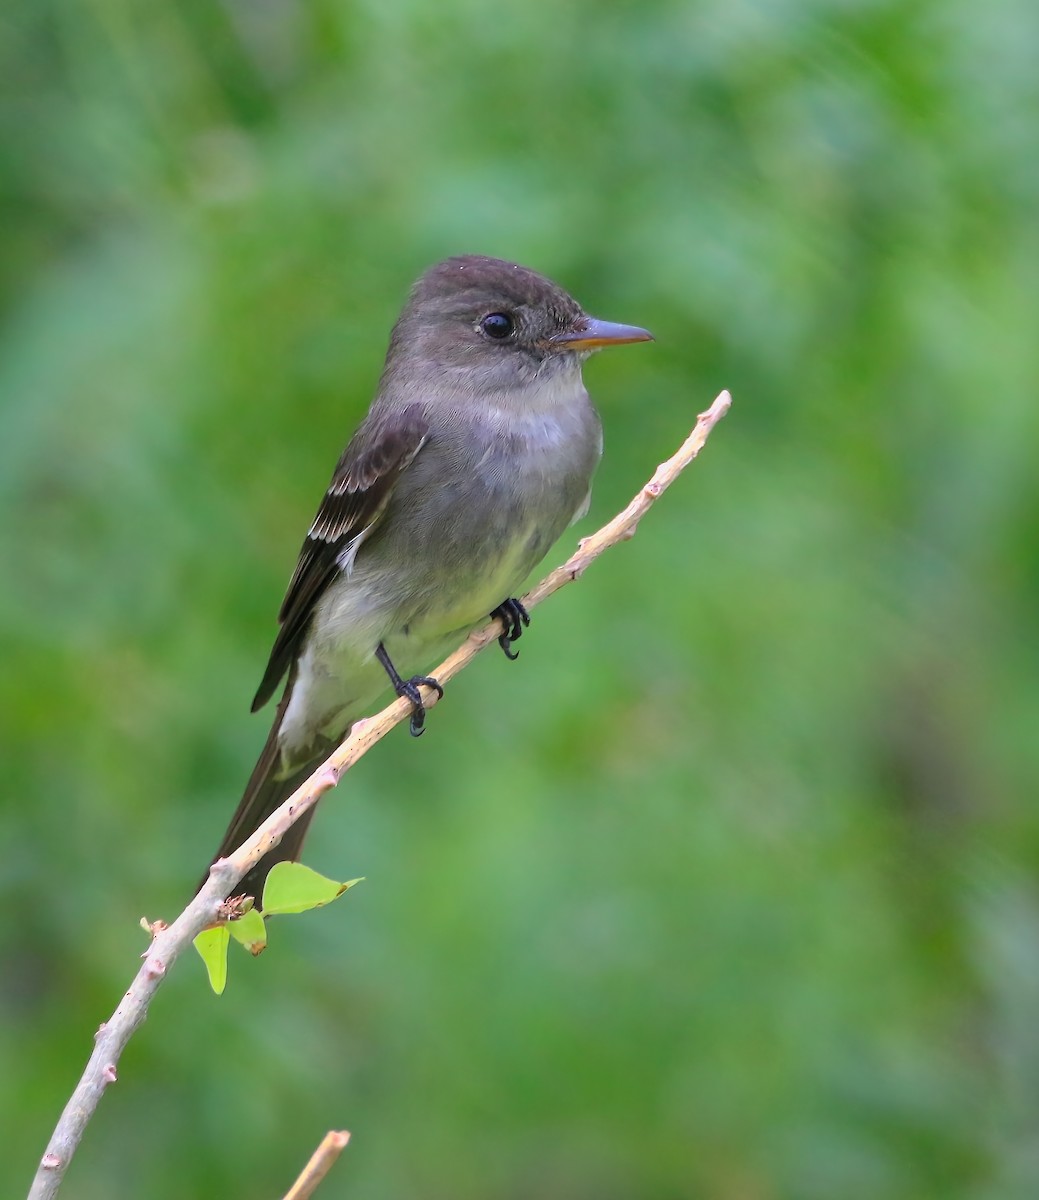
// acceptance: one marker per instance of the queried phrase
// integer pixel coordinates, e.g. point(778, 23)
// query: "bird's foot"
point(409, 690)
point(513, 617)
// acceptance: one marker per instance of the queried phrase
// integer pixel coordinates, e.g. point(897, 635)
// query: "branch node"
point(108, 1074)
point(234, 908)
point(153, 928)
point(50, 1162)
point(155, 967)
point(329, 779)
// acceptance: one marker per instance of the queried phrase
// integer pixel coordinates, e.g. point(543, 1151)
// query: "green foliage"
point(211, 945)
point(294, 888)
point(248, 931)
point(728, 887)
point(291, 887)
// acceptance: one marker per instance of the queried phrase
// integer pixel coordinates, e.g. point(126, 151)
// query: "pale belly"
point(338, 677)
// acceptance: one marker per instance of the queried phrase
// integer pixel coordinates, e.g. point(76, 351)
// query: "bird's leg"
point(409, 689)
point(513, 617)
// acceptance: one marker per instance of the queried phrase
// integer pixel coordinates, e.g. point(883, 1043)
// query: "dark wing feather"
point(361, 486)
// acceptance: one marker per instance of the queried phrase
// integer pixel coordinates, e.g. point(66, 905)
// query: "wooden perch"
point(208, 907)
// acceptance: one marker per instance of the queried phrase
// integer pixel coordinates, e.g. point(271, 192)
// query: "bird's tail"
point(266, 790)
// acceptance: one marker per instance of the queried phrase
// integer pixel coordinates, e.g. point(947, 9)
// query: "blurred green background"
point(728, 888)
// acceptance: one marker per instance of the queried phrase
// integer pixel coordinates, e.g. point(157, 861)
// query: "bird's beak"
point(592, 334)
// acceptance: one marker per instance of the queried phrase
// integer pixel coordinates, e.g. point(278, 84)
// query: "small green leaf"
point(212, 946)
point(293, 888)
point(250, 930)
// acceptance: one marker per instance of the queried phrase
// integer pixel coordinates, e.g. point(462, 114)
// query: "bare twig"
point(208, 906)
point(320, 1164)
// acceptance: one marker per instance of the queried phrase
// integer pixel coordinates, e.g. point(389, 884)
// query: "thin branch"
point(208, 906)
point(332, 1145)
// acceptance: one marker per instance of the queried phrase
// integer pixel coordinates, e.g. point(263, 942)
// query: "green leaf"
point(250, 930)
point(294, 888)
point(212, 946)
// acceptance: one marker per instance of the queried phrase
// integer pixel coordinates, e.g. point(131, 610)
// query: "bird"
point(477, 452)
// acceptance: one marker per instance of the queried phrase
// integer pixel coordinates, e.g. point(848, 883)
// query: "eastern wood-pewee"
point(475, 455)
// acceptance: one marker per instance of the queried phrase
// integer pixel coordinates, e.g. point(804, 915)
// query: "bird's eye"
point(498, 326)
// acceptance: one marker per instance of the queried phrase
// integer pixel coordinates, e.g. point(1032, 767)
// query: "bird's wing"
point(361, 486)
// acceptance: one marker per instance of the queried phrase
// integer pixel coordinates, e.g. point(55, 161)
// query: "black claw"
point(513, 617)
point(409, 690)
